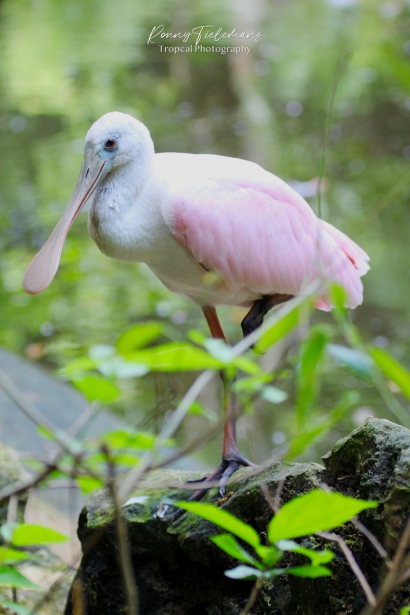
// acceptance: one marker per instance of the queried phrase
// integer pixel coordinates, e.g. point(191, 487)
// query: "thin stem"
point(274, 502)
point(357, 571)
point(168, 431)
point(36, 415)
point(371, 538)
point(78, 597)
point(252, 598)
point(386, 200)
point(10, 490)
point(127, 572)
point(341, 67)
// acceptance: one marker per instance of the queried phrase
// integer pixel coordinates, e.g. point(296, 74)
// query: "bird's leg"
point(231, 457)
point(254, 318)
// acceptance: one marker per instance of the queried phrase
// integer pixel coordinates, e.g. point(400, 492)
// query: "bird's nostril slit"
point(86, 175)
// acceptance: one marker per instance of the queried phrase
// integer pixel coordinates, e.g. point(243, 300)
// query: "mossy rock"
point(179, 571)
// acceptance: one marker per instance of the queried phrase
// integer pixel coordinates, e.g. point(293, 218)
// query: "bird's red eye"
point(110, 144)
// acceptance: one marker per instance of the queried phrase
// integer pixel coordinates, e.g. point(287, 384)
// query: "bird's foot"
point(221, 474)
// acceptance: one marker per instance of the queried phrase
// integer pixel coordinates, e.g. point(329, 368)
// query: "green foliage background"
point(63, 64)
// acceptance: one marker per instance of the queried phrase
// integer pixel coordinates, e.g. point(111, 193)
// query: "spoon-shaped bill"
point(42, 269)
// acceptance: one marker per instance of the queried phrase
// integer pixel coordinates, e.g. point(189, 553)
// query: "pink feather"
point(257, 233)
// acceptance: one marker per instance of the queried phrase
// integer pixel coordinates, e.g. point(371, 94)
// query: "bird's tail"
point(348, 276)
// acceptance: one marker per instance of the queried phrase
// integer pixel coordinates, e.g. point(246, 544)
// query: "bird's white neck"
point(125, 218)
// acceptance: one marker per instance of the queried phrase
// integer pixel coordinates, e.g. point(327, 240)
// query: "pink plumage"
point(257, 233)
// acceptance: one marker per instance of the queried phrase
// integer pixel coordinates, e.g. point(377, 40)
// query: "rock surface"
point(179, 571)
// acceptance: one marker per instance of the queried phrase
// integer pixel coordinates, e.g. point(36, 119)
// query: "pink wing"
point(260, 234)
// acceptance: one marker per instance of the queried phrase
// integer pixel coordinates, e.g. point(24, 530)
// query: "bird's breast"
point(135, 230)
point(128, 229)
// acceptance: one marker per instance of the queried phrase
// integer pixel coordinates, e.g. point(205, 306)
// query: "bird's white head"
point(119, 139)
point(113, 143)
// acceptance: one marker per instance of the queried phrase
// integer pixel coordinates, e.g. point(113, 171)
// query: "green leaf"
point(139, 336)
point(392, 369)
point(45, 433)
point(176, 357)
point(118, 367)
point(322, 425)
point(272, 334)
point(311, 572)
point(7, 530)
point(316, 557)
point(126, 459)
point(405, 610)
point(358, 362)
point(88, 484)
point(244, 572)
point(247, 365)
point(230, 545)
point(269, 555)
point(197, 337)
point(30, 534)
point(9, 577)
point(251, 383)
point(124, 438)
point(100, 352)
point(77, 367)
point(219, 349)
point(19, 609)
point(338, 297)
point(308, 377)
point(314, 512)
point(96, 388)
point(222, 519)
point(12, 556)
point(305, 439)
point(274, 395)
point(198, 408)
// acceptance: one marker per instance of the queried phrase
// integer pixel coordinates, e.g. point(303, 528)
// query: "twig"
point(252, 598)
point(28, 408)
point(341, 66)
point(274, 502)
point(371, 538)
point(167, 432)
point(12, 509)
point(386, 200)
point(34, 414)
point(10, 490)
point(47, 596)
point(394, 577)
point(402, 579)
point(78, 597)
point(127, 572)
point(278, 496)
point(371, 598)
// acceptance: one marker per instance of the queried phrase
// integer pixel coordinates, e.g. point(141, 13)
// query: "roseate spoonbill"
point(187, 214)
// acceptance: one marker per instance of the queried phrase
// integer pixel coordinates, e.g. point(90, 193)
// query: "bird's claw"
point(222, 473)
